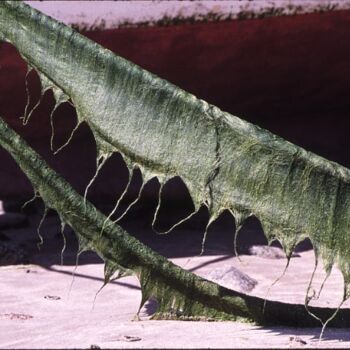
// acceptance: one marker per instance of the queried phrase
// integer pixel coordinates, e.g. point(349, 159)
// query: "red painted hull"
point(290, 75)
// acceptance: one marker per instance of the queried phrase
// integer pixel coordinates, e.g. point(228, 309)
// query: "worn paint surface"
point(164, 131)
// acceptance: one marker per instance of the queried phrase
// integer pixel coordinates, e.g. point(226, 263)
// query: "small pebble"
point(128, 338)
point(52, 297)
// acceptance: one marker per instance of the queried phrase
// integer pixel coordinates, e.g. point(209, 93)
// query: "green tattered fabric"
point(180, 293)
point(225, 162)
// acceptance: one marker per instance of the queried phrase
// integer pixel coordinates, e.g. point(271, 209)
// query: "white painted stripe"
point(113, 14)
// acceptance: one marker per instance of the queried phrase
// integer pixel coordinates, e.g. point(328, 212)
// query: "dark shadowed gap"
point(33, 94)
point(175, 206)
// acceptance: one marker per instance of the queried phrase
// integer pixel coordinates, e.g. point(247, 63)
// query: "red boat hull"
point(289, 74)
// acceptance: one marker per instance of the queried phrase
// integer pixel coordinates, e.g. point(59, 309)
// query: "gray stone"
point(268, 252)
point(11, 254)
point(13, 220)
point(230, 277)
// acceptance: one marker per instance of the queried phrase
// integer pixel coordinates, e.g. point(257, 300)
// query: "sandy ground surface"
point(43, 306)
